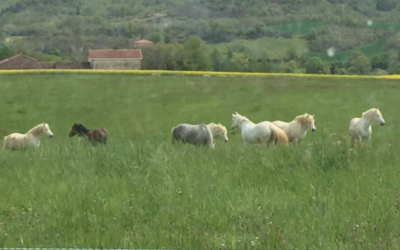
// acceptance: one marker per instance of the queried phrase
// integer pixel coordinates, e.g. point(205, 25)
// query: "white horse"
point(296, 130)
point(265, 132)
point(197, 135)
point(218, 131)
point(360, 128)
point(17, 141)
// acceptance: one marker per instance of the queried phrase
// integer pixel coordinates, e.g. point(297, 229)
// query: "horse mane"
point(37, 129)
point(369, 112)
point(304, 119)
point(81, 129)
point(241, 116)
point(218, 125)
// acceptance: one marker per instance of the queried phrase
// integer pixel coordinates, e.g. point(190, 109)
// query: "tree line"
point(195, 54)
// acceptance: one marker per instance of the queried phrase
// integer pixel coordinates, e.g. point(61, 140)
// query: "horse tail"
point(104, 134)
point(278, 135)
point(209, 136)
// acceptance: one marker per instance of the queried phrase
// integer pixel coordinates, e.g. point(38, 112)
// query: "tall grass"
point(147, 194)
point(139, 191)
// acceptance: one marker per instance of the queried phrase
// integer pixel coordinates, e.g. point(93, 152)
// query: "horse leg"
point(369, 140)
point(352, 141)
point(265, 143)
point(360, 140)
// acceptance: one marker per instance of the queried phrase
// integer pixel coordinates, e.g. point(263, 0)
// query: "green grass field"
point(139, 191)
point(394, 26)
point(369, 50)
point(273, 48)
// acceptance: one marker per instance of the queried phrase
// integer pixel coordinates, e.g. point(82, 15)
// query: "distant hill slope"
point(73, 26)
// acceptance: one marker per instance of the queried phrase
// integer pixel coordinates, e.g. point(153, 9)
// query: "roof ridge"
point(15, 56)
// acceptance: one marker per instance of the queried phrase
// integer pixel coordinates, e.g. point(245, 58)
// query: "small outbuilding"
point(115, 59)
point(22, 61)
point(142, 43)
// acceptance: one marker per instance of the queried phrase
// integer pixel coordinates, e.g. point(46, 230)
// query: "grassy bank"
point(140, 192)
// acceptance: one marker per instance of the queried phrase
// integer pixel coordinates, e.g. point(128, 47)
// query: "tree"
point(392, 61)
point(315, 65)
point(397, 69)
point(386, 5)
point(380, 60)
point(292, 54)
point(163, 56)
point(5, 52)
point(217, 59)
point(240, 62)
point(156, 37)
point(359, 64)
point(393, 42)
point(196, 56)
point(290, 66)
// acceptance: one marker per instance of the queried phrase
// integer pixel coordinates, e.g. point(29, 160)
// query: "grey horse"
point(197, 135)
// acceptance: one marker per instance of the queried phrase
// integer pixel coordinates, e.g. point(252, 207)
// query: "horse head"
point(307, 121)
point(312, 123)
point(219, 130)
point(73, 130)
point(375, 115)
point(47, 131)
point(236, 120)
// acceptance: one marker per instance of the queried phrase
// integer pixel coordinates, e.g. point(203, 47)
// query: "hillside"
point(56, 30)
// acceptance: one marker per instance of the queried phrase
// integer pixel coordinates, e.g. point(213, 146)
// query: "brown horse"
point(98, 135)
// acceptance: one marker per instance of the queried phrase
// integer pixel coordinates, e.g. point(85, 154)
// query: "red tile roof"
point(143, 41)
point(13, 57)
point(116, 53)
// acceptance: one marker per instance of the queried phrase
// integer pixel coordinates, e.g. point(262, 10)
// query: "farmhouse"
point(21, 61)
point(115, 59)
point(142, 43)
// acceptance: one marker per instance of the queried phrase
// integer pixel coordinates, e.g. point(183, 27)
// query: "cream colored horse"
point(17, 141)
point(218, 131)
point(296, 130)
point(360, 128)
point(265, 132)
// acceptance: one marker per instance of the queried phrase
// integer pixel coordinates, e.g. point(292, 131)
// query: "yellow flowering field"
point(186, 73)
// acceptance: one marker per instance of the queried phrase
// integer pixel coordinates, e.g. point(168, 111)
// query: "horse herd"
point(266, 133)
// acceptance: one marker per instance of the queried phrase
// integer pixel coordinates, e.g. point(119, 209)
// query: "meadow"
point(139, 191)
point(343, 56)
point(273, 48)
